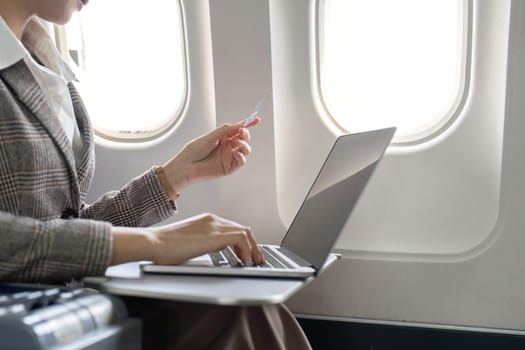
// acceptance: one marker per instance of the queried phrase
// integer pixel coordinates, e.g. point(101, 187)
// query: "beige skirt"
point(181, 325)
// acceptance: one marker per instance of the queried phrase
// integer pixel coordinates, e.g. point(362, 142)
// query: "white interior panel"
point(241, 49)
point(438, 198)
point(481, 286)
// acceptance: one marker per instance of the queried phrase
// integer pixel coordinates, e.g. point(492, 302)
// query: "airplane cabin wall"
point(230, 55)
point(482, 287)
point(243, 77)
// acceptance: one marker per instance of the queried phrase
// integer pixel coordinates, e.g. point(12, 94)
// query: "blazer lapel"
point(86, 166)
point(19, 78)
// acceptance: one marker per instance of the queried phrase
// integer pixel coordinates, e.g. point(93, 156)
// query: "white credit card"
point(256, 111)
point(250, 119)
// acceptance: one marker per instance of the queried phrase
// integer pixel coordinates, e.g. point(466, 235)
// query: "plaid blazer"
point(40, 186)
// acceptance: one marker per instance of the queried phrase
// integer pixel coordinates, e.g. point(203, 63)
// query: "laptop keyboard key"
point(280, 258)
point(218, 259)
point(231, 257)
point(274, 260)
point(271, 261)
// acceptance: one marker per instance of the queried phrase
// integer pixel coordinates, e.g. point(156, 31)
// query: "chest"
point(37, 178)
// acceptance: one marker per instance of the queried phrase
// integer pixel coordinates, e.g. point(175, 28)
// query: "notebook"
point(305, 250)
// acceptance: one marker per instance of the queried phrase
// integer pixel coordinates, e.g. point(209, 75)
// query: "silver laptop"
point(305, 249)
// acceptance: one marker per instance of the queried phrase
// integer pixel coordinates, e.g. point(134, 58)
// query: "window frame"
point(442, 123)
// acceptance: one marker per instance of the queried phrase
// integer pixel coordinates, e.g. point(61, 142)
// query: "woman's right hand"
point(185, 239)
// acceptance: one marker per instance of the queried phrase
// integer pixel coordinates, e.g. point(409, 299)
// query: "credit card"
point(256, 112)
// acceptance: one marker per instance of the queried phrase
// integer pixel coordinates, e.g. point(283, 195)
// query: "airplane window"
point(129, 59)
point(402, 63)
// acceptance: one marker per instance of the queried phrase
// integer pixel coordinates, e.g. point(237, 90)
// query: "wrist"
point(176, 172)
point(168, 189)
point(131, 244)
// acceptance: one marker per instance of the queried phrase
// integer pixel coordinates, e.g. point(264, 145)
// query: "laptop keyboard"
point(227, 257)
point(224, 258)
point(294, 259)
point(273, 260)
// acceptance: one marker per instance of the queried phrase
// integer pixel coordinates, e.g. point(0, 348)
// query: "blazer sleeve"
point(54, 250)
point(140, 203)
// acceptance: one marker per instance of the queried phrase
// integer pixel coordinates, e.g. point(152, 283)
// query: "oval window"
point(129, 59)
point(393, 63)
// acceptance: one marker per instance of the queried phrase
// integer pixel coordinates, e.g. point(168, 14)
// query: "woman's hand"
point(183, 240)
point(218, 153)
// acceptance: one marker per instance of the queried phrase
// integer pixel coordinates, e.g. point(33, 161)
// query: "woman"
point(46, 165)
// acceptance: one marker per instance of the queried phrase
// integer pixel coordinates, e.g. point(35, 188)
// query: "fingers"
point(252, 123)
point(223, 232)
point(244, 135)
point(175, 243)
point(239, 241)
point(242, 240)
point(231, 131)
point(236, 136)
point(257, 256)
point(227, 131)
point(239, 160)
point(242, 146)
point(241, 245)
point(235, 156)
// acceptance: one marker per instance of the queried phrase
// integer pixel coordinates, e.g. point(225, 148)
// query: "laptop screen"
point(334, 194)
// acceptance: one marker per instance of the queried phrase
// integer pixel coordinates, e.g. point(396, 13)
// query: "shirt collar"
point(12, 49)
point(36, 40)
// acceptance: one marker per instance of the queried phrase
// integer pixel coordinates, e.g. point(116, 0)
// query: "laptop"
point(305, 250)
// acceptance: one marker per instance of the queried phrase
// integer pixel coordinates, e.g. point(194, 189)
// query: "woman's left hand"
point(218, 153)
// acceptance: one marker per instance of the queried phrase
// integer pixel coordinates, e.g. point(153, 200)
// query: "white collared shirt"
point(53, 83)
